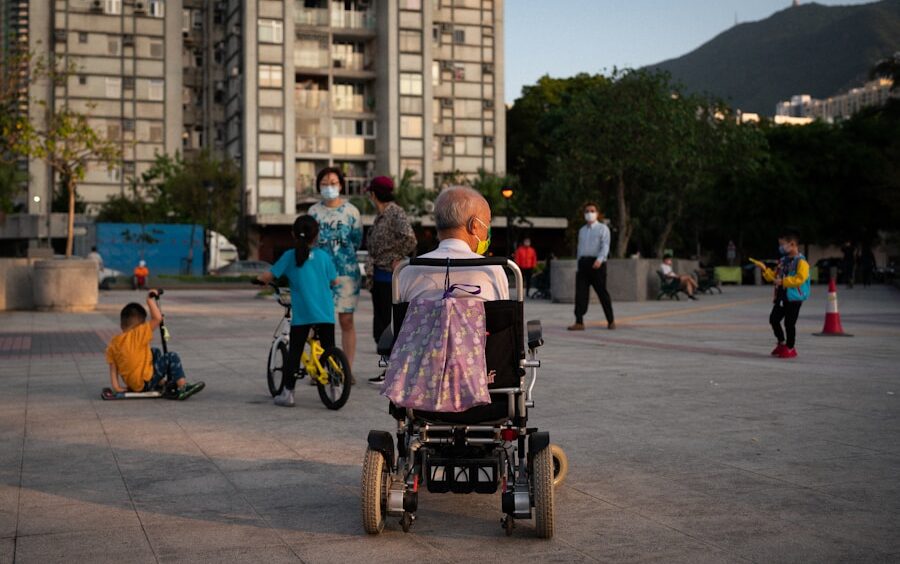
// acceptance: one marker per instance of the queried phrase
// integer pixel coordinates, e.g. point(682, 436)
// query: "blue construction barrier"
point(165, 247)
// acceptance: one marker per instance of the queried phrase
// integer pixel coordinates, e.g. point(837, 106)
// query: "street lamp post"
point(206, 244)
point(507, 193)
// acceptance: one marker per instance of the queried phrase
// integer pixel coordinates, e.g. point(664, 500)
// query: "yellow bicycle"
point(329, 369)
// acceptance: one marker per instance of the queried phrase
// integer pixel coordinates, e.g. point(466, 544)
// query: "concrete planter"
point(627, 280)
point(16, 281)
point(65, 285)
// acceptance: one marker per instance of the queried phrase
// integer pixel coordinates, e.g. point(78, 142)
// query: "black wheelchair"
point(482, 450)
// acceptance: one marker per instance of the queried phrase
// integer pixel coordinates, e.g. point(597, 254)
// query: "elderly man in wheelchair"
point(460, 382)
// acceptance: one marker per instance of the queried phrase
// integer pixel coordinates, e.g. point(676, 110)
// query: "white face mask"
point(590, 217)
point(330, 192)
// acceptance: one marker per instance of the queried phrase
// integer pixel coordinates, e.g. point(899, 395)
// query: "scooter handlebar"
point(157, 293)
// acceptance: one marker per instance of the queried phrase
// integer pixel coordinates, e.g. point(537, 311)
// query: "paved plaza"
point(687, 442)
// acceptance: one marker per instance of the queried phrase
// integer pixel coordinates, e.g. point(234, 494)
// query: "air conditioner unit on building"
point(487, 68)
point(140, 8)
point(128, 83)
point(488, 141)
point(127, 40)
point(60, 35)
point(488, 104)
point(128, 125)
point(97, 6)
point(446, 28)
point(447, 65)
point(198, 24)
point(236, 29)
point(446, 102)
point(446, 140)
point(128, 167)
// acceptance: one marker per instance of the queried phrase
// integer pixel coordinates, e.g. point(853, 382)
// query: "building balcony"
point(353, 20)
point(356, 103)
point(313, 17)
point(312, 60)
point(311, 100)
point(313, 144)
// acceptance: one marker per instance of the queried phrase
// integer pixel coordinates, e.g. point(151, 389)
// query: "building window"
point(197, 19)
point(82, 79)
point(411, 126)
point(156, 49)
point(114, 45)
point(113, 131)
point(114, 174)
point(185, 21)
point(157, 8)
point(156, 133)
point(82, 37)
point(411, 83)
point(411, 5)
point(353, 127)
point(271, 120)
point(270, 76)
point(411, 105)
point(459, 36)
point(435, 73)
point(112, 7)
point(410, 41)
point(271, 31)
point(459, 71)
point(414, 165)
point(113, 87)
point(271, 165)
point(156, 90)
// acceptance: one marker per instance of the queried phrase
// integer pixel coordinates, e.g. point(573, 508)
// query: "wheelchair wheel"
point(374, 492)
point(542, 487)
point(560, 464)
point(335, 393)
point(275, 368)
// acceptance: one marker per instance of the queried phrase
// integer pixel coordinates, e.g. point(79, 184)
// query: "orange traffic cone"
point(832, 326)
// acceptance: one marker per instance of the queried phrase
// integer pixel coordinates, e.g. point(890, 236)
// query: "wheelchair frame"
point(482, 457)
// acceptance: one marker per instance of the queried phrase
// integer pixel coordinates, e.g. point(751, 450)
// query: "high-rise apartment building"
point(371, 86)
point(840, 106)
point(127, 79)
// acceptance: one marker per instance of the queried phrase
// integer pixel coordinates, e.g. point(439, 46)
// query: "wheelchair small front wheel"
point(560, 464)
point(275, 368)
point(336, 391)
point(374, 492)
point(542, 486)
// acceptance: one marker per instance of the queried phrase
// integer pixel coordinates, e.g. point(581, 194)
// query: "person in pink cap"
point(390, 240)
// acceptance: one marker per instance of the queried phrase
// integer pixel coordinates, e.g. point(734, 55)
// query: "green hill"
point(809, 49)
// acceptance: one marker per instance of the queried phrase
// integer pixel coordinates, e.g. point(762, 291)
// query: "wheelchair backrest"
point(505, 343)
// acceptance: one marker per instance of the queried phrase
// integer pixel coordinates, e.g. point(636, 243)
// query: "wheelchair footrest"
point(462, 475)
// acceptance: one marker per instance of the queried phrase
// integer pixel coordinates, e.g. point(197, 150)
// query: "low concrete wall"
point(65, 285)
point(16, 284)
point(627, 280)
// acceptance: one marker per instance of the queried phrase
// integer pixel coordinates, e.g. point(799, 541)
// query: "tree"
point(63, 138)
point(412, 196)
point(11, 180)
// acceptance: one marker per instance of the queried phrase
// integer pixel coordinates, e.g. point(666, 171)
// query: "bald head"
point(462, 213)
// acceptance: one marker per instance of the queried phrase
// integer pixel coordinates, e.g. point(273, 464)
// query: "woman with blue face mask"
point(340, 233)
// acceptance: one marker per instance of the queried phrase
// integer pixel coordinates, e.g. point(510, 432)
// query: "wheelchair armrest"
point(386, 342)
point(535, 334)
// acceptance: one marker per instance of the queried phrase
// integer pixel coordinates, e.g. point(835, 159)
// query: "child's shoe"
point(285, 398)
point(190, 389)
point(778, 349)
point(788, 353)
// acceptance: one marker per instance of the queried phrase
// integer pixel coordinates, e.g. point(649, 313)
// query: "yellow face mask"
point(483, 246)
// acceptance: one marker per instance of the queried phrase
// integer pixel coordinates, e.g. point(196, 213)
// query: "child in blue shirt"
point(311, 274)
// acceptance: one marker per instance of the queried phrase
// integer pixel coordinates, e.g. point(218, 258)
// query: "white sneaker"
point(285, 398)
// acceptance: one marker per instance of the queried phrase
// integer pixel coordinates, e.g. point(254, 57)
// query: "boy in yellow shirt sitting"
point(134, 366)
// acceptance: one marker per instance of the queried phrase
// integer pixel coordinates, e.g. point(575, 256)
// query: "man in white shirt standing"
point(593, 250)
point(462, 218)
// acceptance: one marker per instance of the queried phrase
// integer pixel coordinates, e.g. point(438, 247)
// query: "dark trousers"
point(381, 302)
point(526, 275)
point(789, 312)
point(167, 369)
point(587, 277)
point(299, 334)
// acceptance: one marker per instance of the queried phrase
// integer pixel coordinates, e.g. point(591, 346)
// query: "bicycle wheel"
point(336, 391)
point(275, 368)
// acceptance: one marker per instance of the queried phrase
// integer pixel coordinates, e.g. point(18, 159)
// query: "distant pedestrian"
point(140, 275)
point(526, 258)
point(686, 281)
point(867, 265)
point(849, 263)
point(95, 256)
point(340, 234)
point(731, 253)
point(390, 240)
point(593, 250)
point(791, 279)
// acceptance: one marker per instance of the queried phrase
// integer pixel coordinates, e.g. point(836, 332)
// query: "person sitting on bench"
point(688, 284)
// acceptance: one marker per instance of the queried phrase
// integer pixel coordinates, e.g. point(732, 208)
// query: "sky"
point(564, 37)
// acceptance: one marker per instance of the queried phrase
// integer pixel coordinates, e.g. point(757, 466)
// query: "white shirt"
point(428, 281)
point(593, 241)
point(667, 271)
